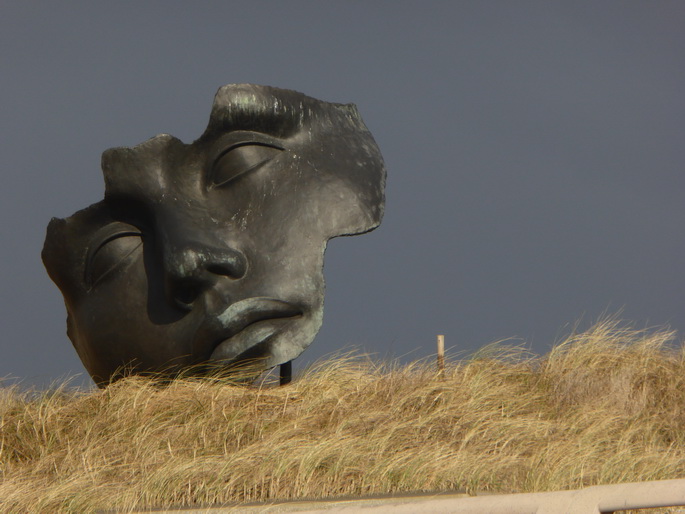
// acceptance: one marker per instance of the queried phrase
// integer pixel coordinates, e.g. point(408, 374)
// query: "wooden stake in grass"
point(441, 355)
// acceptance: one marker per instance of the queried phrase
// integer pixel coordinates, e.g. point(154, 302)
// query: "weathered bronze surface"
point(212, 252)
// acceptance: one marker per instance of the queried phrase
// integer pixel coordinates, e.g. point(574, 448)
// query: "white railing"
point(591, 500)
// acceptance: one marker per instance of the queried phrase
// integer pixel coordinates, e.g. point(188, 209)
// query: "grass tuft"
point(605, 406)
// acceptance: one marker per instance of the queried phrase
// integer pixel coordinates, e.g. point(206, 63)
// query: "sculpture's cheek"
point(114, 326)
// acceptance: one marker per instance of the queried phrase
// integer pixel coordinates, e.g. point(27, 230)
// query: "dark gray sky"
point(535, 154)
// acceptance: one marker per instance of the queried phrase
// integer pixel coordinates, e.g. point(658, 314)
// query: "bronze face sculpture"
point(212, 252)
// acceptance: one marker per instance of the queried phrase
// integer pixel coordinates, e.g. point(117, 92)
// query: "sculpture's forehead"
point(275, 111)
point(237, 108)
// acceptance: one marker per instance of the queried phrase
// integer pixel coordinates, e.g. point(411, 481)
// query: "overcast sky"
point(535, 154)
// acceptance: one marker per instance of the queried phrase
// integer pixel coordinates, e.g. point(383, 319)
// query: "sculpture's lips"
point(249, 322)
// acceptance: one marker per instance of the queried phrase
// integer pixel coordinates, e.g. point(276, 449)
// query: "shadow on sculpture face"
point(213, 251)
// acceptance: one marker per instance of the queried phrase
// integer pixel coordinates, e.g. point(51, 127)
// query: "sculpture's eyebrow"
point(258, 109)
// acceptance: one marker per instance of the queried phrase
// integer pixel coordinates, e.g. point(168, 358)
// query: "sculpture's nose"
point(194, 267)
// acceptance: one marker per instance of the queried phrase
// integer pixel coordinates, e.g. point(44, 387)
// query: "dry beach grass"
point(604, 406)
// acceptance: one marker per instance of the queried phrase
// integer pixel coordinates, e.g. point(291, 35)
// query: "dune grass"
point(605, 406)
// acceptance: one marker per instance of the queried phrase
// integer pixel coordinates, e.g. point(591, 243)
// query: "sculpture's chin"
point(295, 339)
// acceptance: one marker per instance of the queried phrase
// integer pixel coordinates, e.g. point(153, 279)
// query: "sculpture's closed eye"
point(110, 247)
point(241, 159)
